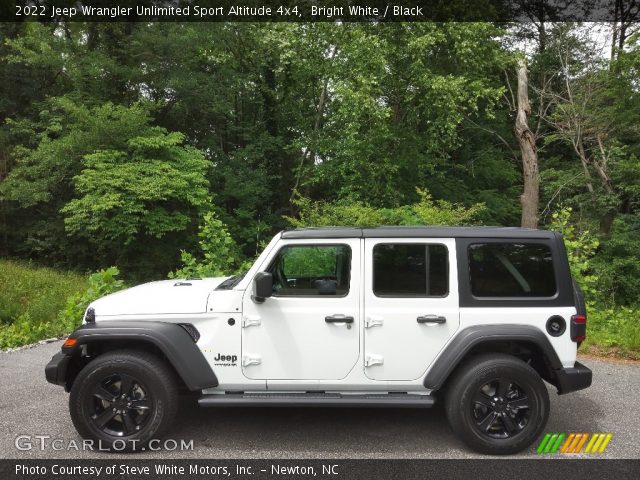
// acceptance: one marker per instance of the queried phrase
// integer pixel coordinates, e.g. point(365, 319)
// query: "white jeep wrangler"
point(472, 317)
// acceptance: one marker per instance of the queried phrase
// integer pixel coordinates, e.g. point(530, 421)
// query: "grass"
point(613, 332)
point(31, 299)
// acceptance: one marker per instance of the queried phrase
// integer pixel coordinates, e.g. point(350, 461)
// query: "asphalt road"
point(31, 406)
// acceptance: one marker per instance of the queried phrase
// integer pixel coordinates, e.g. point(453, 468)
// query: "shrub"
point(425, 212)
point(101, 283)
point(581, 247)
point(219, 254)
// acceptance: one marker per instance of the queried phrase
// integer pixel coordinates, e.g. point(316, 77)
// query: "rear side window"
point(410, 270)
point(511, 270)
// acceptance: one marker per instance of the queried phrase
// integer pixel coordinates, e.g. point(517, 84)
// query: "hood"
point(166, 296)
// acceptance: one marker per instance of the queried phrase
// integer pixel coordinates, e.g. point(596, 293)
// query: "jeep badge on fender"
point(477, 318)
point(226, 358)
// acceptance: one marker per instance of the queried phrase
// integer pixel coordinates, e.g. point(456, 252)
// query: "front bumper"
point(572, 379)
point(56, 369)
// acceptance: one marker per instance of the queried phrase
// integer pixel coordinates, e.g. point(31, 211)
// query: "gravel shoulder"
point(31, 406)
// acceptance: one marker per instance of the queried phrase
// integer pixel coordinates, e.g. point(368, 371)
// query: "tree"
point(584, 117)
point(626, 14)
point(526, 140)
point(396, 107)
point(111, 181)
point(352, 116)
point(148, 189)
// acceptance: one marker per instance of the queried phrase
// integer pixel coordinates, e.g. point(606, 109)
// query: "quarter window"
point(309, 270)
point(511, 270)
point(410, 270)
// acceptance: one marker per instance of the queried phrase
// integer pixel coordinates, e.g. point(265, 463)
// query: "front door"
point(411, 305)
point(308, 329)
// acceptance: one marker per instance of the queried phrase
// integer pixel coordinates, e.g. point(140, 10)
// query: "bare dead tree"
point(530, 197)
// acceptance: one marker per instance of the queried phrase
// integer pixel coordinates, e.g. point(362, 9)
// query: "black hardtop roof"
point(418, 232)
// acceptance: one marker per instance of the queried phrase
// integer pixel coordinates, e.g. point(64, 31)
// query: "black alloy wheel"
point(123, 399)
point(501, 408)
point(496, 403)
point(120, 405)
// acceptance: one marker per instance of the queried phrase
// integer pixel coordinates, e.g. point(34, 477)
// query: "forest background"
point(144, 150)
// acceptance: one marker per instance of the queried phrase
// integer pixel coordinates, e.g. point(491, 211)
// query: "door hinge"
point(251, 360)
point(251, 322)
point(371, 360)
point(372, 322)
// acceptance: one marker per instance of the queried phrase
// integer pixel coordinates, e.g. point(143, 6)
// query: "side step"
point(316, 400)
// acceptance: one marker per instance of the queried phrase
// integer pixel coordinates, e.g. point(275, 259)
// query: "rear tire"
point(497, 404)
point(123, 399)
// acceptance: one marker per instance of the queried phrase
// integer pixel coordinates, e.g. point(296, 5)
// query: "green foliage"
point(30, 301)
point(618, 264)
point(219, 255)
point(62, 135)
point(39, 303)
point(613, 330)
point(146, 190)
point(310, 262)
point(108, 183)
point(24, 331)
point(425, 212)
point(398, 105)
point(114, 138)
point(581, 247)
point(442, 212)
point(101, 283)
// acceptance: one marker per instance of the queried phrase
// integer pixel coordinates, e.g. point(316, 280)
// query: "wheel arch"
point(525, 342)
point(169, 341)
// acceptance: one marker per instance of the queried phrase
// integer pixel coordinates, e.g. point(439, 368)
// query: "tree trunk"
point(601, 166)
point(526, 140)
point(614, 32)
point(606, 222)
point(578, 146)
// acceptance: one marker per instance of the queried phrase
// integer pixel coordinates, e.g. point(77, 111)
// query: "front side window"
point(309, 270)
point(511, 270)
point(410, 270)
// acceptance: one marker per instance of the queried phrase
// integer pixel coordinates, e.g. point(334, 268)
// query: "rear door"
point(411, 305)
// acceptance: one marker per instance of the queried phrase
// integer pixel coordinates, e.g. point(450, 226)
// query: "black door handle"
point(338, 319)
point(431, 319)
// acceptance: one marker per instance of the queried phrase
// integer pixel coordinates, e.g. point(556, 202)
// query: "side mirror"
point(262, 287)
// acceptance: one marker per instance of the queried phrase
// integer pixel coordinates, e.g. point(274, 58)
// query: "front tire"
point(123, 399)
point(497, 404)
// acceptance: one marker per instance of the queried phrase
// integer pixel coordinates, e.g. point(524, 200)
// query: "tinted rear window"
point(511, 270)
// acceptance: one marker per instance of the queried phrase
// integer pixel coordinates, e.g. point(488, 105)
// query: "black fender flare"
point(170, 338)
point(470, 337)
